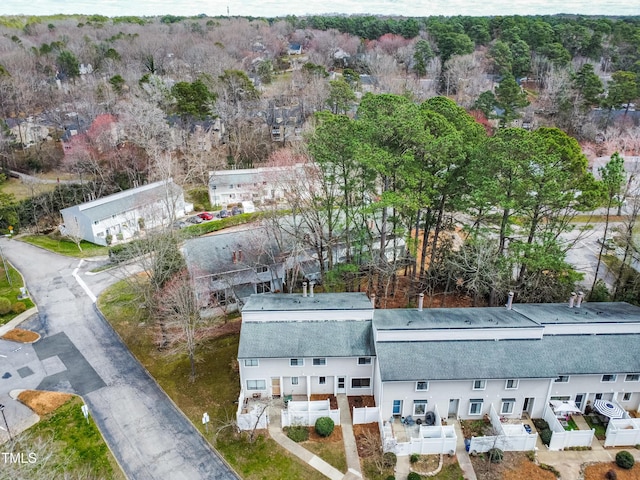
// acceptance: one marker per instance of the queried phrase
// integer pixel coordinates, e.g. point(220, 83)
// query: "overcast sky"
point(276, 8)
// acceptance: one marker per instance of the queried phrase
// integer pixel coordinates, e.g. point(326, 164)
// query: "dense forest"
point(425, 118)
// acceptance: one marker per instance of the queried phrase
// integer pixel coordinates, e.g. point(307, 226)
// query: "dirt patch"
point(43, 403)
point(20, 335)
point(360, 401)
point(429, 463)
point(335, 437)
point(515, 466)
point(599, 470)
point(364, 432)
point(333, 401)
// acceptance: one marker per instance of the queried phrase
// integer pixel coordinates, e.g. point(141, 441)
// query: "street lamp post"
point(5, 422)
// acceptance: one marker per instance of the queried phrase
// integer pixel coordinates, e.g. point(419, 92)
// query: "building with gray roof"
point(121, 216)
point(458, 362)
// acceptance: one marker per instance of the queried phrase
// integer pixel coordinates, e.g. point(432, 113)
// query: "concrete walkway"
point(349, 439)
point(461, 453)
point(275, 430)
point(350, 448)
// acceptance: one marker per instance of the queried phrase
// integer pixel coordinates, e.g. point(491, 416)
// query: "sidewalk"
point(351, 451)
point(461, 453)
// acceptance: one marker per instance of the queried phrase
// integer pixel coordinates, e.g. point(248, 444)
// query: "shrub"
point(550, 468)
point(496, 455)
point(324, 426)
point(389, 459)
point(390, 477)
point(413, 476)
point(531, 455)
point(625, 460)
point(18, 307)
point(298, 433)
point(414, 458)
point(5, 305)
point(540, 424)
point(545, 436)
point(611, 475)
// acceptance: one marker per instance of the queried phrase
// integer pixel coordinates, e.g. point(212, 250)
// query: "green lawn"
point(331, 452)
point(64, 443)
point(214, 391)
point(601, 430)
point(66, 247)
point(11, 291)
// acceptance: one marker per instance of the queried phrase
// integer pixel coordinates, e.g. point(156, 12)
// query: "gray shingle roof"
point(306, 339)
point(129, 200)
point(546, 358)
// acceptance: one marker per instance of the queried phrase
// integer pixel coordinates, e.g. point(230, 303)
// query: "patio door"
point(275, 386)
point(341, 388)
point(397, 407)
point(528, 405)
point(580, 399)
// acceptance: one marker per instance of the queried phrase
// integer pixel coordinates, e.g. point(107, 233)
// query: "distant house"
point(285, 121)
point(260, 185)
point(121, 216)
point(294, 49)
point(29, 132)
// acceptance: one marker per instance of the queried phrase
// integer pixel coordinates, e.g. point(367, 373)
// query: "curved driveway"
point(148, 435)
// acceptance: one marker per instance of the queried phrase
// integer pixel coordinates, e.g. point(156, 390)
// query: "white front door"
point(341, 385)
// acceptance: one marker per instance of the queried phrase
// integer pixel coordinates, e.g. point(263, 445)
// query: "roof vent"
point(373, 300)
point(304, 289)
point(420, 301)
point(311, 284)
point(509, 301)
point(572, 300)
point(579, 299)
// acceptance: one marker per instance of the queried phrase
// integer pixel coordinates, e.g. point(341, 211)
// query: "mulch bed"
point(43, 403)
point(515, 466)
point(599, 470)
point(360, 401)
point(22, 336)
point(360, 431)
point(336, 436)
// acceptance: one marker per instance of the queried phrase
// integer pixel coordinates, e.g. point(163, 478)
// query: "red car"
point(205, 216)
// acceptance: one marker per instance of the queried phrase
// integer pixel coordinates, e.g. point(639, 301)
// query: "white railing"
point(509, 437)
point(431, 440)
point(621, 432)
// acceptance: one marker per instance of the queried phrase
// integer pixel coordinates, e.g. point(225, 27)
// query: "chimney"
point(233, 257)
point(420, 301)
point(311, 284)
point(373, 300)
point(509, 301)
point(304, 289)
point(572, 300)
point(239, 255)
point(579, 299)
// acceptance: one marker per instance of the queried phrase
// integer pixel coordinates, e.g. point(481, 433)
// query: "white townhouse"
point(458, 362)
point(121, 216)
point(260, 185)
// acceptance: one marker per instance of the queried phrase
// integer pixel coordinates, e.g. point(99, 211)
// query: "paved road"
point(80, 353)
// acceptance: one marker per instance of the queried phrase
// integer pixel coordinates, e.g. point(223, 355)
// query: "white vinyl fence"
point(251, 416)
point(366, 415)
point(306, 413)
point(561, 438)
point(623, 432)
point(507, 437)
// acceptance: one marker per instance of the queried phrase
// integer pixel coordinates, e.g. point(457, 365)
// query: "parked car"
point(236, 211)
point(608, 243)
point(205, 216)
point(223, 214)
point(178, 224)
point(195, 219)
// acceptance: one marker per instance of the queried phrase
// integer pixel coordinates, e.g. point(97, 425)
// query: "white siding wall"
point(440, 392)
point(280, 367)
point(592, 384)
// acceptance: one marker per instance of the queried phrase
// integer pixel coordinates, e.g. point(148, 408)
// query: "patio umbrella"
point(608, 408)
point(564, 407)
